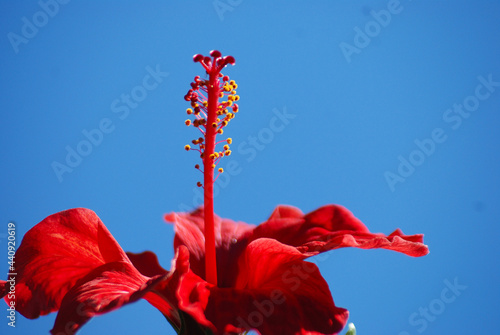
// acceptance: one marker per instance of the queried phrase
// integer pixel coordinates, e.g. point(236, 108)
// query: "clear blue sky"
point(365, 84)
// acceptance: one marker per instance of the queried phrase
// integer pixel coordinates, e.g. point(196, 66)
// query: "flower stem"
point(211, 132)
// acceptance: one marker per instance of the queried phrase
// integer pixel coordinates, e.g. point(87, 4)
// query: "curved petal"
point(410, 245)
point(306, 307)
point(184, 290)
point(147, 263)
point(104, 289)
point(165, 294)
point(289, 225)
point(286, 212)
point(277, 293)
point(332, 227)
point(189, 231)
point(55, 254)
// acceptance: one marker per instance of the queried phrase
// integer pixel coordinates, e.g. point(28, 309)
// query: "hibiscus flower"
point(226, 277)
point(70, 263)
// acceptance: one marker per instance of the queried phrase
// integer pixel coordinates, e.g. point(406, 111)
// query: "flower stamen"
point(211, 116)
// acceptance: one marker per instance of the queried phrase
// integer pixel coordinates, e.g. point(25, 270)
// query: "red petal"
point(286, 212)
point(177, 289)
point(334, 218)
point(189, 229)
point(104, 289)
point(331, 227)
point(164, 295)
point(288, 225)
point(277, 293)
point(147, 263)
point(270, 266)
point(55, 254)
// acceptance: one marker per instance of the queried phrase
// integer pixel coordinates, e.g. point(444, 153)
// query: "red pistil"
point(211, 116)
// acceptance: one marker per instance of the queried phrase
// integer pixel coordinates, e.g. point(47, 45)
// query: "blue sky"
point(388, 108)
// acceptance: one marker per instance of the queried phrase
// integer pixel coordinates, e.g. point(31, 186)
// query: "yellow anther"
point(213, 166)
point(187, 147)
point(221, 94)
point(212, 156)
point(214, 125)
point(198, 184)
point(205, 103)
point(196, 123)
point(221, 170)
point(220, 131)
point(224, 123)
point(187, 122)
point(232, 83)
point(229, 140)
point(226, 147)
point(235, 86)
point(236, 97)
point(229, 103)
point(230, 98)
point(194, 142)
point(189, 111)
point(228, 152)
point(200, 139)
point(233, 92)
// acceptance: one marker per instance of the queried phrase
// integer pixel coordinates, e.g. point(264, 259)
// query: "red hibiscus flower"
point(226, 277)
point(71, 263)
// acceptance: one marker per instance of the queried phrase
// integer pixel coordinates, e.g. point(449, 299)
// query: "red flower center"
point(210, 117)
